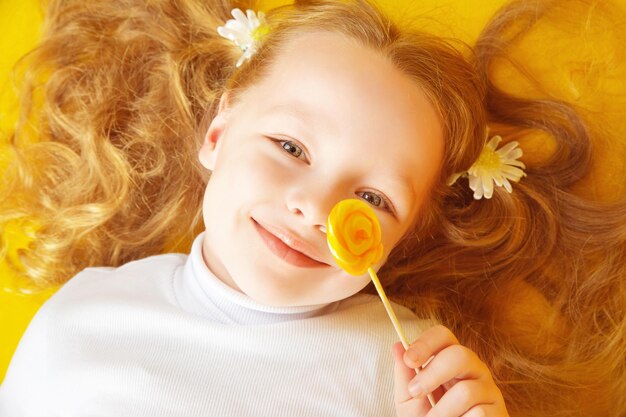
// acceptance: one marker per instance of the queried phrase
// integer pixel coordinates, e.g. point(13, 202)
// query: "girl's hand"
point(459, 381)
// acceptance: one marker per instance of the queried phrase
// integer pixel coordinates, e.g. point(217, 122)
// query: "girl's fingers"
point(402, 375)
point(452, 364)
point(430, 342)
point(405, 404)
point(460, 382)
point(461, 398)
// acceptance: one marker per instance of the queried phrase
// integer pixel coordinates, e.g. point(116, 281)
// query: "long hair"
point(121, 92)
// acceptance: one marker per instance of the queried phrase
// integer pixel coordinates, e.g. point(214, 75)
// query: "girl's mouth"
point(285, 252)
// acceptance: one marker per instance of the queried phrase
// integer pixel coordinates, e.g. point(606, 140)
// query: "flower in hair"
point(245, 32)
point(494, 166)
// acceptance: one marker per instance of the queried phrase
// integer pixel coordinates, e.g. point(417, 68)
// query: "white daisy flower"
point(245, 32)
point(494, 166)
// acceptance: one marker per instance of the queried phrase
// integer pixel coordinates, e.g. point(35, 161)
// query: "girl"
point(318, 102)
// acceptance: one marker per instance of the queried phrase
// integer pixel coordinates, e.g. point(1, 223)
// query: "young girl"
point(290, 113)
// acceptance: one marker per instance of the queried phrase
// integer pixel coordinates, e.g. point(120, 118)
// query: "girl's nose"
point(321, 226)
point(313, 202)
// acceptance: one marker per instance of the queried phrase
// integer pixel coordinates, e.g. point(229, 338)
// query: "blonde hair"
point(122, 96)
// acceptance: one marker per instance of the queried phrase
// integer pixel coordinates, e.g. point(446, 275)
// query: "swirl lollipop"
point(354, 238)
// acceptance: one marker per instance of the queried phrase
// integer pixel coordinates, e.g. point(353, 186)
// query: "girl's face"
point(331, 121)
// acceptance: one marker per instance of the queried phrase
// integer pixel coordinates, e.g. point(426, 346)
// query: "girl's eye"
point(378, 201)
point(291, 148)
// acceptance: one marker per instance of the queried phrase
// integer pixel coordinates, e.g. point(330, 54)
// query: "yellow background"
point(21, 20)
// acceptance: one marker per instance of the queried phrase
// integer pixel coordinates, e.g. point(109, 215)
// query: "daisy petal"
point(514, 153)
point(474, 183)
point(252, 19)
point(240, 61)
point(508, 148)
point(236, 27)
point(488, 186)
point(493, 143)
point(512, 162)
point(507, 185)
point(476, 186)
point(240, 17)
point(498, 178)
point(225, 32)
point(512, 173)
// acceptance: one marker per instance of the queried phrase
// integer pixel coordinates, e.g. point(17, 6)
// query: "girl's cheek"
point(259, 173)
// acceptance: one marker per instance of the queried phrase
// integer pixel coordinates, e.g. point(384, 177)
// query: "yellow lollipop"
point(354, 238)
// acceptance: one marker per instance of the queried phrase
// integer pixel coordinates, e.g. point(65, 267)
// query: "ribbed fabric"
point(163, 336)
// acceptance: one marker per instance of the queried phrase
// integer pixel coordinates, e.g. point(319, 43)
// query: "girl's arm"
point(460, 382)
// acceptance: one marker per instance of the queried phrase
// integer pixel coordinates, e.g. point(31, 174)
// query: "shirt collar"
point(205, 294)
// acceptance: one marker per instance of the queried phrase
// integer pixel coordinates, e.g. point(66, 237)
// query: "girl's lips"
point(283, 251)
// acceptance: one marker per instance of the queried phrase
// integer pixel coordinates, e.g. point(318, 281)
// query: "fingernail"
point(415, 390)
point(412, 355)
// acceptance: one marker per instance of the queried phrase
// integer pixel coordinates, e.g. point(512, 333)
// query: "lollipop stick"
point(394, 319)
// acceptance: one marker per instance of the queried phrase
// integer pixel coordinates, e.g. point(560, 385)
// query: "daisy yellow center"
point(260, 32)
point(489, 159)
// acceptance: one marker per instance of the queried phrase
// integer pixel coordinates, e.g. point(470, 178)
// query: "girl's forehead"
point(333, 81)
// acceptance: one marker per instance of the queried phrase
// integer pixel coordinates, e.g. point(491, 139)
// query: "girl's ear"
point(212, 141)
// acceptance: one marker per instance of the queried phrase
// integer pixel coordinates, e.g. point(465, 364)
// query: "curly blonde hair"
point(121, 93)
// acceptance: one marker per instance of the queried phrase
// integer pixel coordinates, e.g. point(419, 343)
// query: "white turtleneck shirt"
point(164, 337)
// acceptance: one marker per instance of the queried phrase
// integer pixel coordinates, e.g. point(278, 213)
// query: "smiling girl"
point(161, 132)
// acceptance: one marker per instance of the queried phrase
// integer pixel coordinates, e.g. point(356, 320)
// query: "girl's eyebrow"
point(302, 117)
point(301, 112)
point(403, 183)
point(295, 108)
